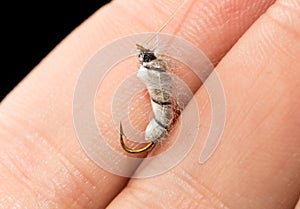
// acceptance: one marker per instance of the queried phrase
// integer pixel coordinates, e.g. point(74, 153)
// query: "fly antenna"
point(166, 22)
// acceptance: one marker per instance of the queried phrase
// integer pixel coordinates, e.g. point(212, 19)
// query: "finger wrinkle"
point(278, 35)
point(65, 184)
point(223, 20)
point(16, 176)
point(286, 16)
point(194, 188)
point(133, 196)
point(10, 176)
point(290, 3)
point(16, 126)
point(79, 197)
point(177, 189)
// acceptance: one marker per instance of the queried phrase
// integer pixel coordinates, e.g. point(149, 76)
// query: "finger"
point(298, 205)
point(256, 164)
point(40, 152)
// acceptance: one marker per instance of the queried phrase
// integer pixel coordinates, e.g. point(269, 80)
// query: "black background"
point(32, 29)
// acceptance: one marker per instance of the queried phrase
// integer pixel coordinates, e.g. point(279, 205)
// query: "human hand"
point(257, 163)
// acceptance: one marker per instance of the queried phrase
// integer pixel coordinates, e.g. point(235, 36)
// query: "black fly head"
point(145, 55)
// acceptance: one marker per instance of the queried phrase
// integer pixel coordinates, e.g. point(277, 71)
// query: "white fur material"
point(160, 86)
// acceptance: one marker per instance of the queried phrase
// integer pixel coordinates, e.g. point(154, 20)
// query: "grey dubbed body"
point(160, 87)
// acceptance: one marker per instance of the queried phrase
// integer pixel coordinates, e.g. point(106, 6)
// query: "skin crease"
point(256, 165)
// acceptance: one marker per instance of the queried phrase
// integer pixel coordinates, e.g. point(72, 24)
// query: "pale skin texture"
point(257, 164)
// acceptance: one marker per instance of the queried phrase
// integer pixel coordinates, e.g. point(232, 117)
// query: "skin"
point(257, 164)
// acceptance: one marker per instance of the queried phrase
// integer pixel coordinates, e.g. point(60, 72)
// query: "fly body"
point(153, 73)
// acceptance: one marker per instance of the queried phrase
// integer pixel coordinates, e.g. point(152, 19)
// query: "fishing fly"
point(154, 74)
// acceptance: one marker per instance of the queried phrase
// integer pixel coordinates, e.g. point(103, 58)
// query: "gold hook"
point(132, 150)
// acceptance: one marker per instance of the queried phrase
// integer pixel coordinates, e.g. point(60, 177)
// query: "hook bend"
point(133, 150)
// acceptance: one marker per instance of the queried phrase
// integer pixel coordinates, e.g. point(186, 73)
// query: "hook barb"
point(132, 150)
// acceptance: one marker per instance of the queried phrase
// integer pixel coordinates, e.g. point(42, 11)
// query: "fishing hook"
point(133, 150)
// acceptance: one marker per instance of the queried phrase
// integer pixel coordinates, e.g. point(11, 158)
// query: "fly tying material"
point(160, 86)
point(153, 73)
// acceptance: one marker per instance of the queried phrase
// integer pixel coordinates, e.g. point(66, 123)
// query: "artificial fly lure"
point(153, 73)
